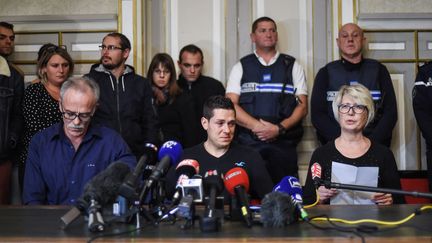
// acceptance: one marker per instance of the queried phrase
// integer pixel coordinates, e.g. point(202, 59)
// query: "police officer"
point(422, 105)
point(352, 68)
point(269, 92)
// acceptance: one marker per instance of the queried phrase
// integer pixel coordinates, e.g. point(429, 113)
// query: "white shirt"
point(298, 76)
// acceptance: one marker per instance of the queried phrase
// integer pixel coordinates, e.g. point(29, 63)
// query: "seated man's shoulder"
point(245, 151)
point(193, 151)
point(211, 81)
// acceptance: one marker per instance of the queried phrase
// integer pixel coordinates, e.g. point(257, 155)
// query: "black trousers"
point(280, 155)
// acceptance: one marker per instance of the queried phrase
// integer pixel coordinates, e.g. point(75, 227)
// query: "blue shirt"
point(56, 174)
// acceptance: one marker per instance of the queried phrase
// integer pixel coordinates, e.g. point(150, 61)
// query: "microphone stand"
point(329, 184)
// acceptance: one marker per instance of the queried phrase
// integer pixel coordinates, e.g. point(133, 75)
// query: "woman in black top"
point(42, 96)
point(353, 108)
point(173, 107)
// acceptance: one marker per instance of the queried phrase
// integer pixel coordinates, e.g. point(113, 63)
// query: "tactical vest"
point(267, 92)
point(367, 75)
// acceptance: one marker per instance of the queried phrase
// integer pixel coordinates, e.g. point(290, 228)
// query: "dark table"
point(42, 224)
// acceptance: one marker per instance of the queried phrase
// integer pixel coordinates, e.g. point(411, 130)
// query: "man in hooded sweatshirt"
point(125, 97)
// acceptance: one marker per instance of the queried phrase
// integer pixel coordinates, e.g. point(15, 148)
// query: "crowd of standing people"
point(61, 131)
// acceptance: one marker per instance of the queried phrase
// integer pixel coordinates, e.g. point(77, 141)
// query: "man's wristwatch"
point(282, 129)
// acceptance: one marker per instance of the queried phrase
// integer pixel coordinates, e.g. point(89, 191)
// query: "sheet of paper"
point(349, 174)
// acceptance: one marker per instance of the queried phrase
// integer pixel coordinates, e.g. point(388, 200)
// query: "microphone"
point(171, 151)
point(278, 210)
point(160, 170)
point(129, 186)
point(169, 154)
point(316, 174)
point(237, 183)
point(213, 186)
point(291, 186)
point(102, 189)
point(184, 170)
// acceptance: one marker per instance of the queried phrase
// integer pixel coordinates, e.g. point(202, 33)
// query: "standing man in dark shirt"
point(125, 99)
point(191, 80)
point(11, 95)
point(353, 68)
point(422, 105)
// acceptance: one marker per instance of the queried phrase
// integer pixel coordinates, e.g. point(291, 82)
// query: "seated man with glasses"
point(353, 109)
point(65, 156)
point(125, 97)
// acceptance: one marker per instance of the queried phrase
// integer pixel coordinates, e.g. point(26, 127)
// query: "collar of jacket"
point(4, 67)
point(102, 69)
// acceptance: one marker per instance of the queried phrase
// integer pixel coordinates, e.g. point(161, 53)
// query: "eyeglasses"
point(72, 115)
point(109, 48)
point(345, 108)
point(165, 72)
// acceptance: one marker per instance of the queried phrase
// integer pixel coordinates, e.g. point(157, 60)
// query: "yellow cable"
point(315, 203)
point(373, 220)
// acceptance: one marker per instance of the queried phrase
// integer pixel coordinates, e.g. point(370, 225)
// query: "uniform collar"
point(272, 61)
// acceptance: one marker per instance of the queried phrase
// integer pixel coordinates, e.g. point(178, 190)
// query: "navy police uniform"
point(267, 93)
point(422, 105)
point(370, 73)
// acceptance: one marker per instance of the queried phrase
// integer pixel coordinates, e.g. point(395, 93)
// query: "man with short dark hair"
point(219, 152)
point(64, 157)
point(125, 102)
point(7, 43)
point(269, 91)
point(191, 80)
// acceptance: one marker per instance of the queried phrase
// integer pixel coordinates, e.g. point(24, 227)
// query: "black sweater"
point(377, 156)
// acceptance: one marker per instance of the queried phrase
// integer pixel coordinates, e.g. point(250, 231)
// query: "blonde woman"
point(40, 105)
point(353, 108)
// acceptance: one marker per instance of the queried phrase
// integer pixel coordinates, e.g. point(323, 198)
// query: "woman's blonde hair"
point(361, 96)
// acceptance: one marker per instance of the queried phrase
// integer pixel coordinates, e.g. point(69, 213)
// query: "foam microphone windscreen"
point(104, 186)
point(278, 210)
point(172, 149)
point(236, 177)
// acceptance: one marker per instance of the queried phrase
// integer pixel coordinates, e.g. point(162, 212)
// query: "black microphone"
point(128, 188)
point(329, 184)
point(102, 188)
point(278, 210)
point(213, 186)
point(160, 170)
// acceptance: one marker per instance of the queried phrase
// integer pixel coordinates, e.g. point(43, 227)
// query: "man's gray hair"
point(80, 84)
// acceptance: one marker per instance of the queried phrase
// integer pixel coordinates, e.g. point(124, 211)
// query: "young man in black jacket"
point(191, 81)
point(125, 97)
point(11, 95)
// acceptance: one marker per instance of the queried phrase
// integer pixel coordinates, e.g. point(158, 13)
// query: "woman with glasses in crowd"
point(41, 98)
point(353, 108)
point(173, 107)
